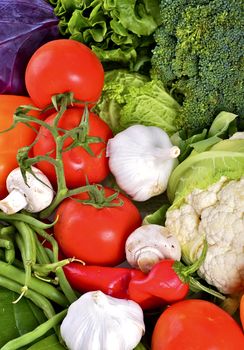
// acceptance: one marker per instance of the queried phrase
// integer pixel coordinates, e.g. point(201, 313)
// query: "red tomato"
point(196, 325)
point(79, 165)
point(242, 311)
point(64, 65)
point(96, 236)
point(14, 139)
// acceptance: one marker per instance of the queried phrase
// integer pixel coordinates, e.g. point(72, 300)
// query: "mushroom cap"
point(149, 244)
point(37, 190)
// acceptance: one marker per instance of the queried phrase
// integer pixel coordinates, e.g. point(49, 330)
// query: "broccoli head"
point(199, 58)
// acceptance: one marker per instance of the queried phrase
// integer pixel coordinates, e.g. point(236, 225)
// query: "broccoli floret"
point(199, 58)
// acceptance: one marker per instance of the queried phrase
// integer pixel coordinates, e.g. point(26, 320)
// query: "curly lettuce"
point(117, 31)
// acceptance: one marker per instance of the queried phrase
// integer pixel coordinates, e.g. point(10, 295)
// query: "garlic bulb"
point(149, 244)
point(142, 158)
point(97, 321)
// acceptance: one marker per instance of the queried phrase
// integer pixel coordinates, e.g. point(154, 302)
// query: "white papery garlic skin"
point(142, 158)
point(97, 321)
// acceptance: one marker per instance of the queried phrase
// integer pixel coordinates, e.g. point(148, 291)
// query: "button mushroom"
point(149, 244)
point(33, 195)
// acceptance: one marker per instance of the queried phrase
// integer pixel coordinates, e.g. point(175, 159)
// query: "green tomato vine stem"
point(80, 137)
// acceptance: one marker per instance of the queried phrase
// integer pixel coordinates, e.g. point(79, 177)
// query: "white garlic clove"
point(149, 244)
point(142, 158)
point(97, 322)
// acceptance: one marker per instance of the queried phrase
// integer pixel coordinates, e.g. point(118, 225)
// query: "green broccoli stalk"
point(199, 58)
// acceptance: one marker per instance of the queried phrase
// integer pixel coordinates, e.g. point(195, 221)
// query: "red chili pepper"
point(168, 281)
point(112, 281)
point(118, 282)
point(157, 288)
point(162, 285)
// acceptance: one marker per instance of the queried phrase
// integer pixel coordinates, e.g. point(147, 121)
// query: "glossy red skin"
point(64, 65)
point(14, 139)
point(79, 165)
point(96, 236)
point(196, 325)
point(112, 281)
point(242, 311)
point(160, 286)
point(153, 290)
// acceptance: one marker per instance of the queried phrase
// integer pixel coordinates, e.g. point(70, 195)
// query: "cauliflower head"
point(217, 215)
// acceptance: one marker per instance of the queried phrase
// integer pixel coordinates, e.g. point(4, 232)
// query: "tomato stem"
point(79, 137)
point(98, 199)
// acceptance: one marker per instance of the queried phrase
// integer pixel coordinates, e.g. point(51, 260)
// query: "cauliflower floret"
point(185, 222)
point(232, 195)
point(223, 226)
point(224, 269)
point(218, 216)
point(201, 199)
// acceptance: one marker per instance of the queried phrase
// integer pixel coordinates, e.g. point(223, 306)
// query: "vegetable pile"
point(121, 183)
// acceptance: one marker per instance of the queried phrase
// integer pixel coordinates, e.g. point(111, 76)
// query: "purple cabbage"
point(25, 25)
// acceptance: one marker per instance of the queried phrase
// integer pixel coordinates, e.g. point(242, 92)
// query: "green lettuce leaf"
point(117, 85)
point(222, 126)
point(140, 17)
point(150, 105)
point(117, 31)
point(130, 98)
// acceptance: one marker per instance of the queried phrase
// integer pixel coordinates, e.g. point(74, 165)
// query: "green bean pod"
point(27, 263)
point(7, 230)
point(8, 245)
point(38, 299)
point(26, 219)
point(41, 253)
point(35, 284)
point(46, 269)
point(63, 282)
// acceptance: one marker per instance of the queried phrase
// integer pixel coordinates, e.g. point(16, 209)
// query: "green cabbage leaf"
point(131, 98)
point(200, 170)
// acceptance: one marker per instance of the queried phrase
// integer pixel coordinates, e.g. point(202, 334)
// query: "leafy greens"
point(200, 170)
point(117, 31)
point(131, 98)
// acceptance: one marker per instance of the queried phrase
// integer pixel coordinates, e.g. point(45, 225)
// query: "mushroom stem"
point(147, 258)
point(149, 244)
point(14, 202)
point(34, 193)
